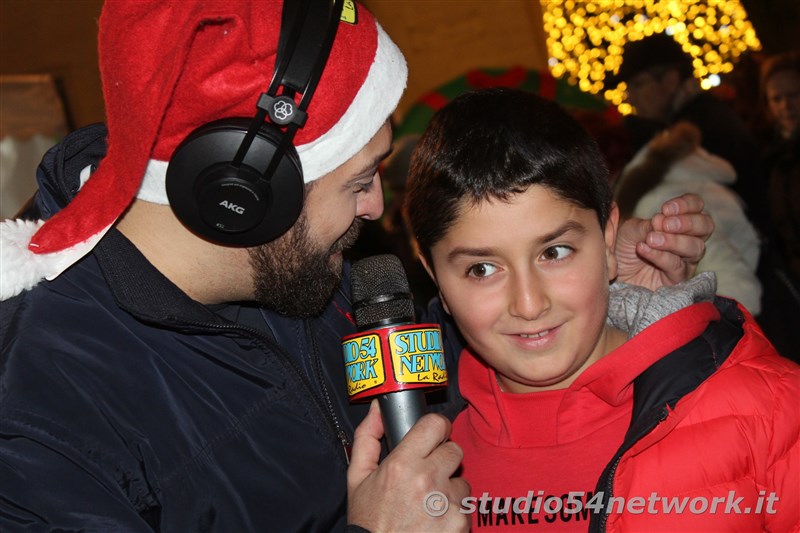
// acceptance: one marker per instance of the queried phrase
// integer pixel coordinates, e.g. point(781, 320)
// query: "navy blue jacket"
point(127, 406)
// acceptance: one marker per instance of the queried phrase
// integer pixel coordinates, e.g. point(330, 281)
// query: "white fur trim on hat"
point(153, 188)
point(374, 103)
point(376, 100)
point(21, 269)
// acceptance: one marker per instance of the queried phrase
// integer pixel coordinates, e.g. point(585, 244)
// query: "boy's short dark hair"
point(493, 144)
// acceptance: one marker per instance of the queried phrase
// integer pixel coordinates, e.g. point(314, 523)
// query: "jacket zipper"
point(318, 372)
point(608, 491)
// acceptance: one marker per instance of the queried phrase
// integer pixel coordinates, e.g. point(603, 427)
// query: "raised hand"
point(665, 249)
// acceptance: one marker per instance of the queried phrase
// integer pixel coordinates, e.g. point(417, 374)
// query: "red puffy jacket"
point(751, 401)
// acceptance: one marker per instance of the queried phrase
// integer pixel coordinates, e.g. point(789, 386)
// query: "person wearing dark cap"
point(165, 368)
point(662, 88)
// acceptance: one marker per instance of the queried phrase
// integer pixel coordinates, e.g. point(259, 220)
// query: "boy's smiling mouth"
point(534, 335)
point(539, 337)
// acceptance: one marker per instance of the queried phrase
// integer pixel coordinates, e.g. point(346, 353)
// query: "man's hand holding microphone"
point(413, 488)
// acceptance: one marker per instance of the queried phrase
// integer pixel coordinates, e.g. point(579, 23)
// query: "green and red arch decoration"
point(540, 82)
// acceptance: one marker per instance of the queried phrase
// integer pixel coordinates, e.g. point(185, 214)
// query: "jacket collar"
point(140, 289)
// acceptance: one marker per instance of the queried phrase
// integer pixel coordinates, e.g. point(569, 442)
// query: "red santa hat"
point(170, 66)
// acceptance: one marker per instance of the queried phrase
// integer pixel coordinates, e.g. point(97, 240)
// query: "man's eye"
point(363, 186)
point(557, 253)
point(481, 270)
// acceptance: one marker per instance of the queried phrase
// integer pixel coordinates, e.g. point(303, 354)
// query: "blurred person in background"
point(663, 90)
point(674, 163)
point(780, 269)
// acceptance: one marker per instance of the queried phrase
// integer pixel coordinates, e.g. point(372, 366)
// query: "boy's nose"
point(528, 297)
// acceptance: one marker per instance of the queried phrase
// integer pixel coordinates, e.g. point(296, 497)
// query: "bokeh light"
point(585, 38)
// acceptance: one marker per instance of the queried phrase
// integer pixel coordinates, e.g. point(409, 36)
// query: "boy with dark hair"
point(588, 401)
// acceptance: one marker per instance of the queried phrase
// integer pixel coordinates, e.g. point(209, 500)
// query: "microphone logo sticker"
point(363, 363)
point(394, 358)
point(417, 356)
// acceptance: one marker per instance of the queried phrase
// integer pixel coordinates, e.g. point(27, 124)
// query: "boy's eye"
point(557, 253)
point(481, 270)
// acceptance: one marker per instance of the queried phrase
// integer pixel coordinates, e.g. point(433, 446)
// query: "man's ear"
point(432, 274)
point(610, 235)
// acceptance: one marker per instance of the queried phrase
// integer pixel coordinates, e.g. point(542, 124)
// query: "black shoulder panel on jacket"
point(679, 373)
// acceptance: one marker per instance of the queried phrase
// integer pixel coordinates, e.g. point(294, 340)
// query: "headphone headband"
point(303, 51)
point(241, 184)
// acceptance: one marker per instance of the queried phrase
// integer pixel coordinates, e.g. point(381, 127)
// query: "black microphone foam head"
point(381, 294)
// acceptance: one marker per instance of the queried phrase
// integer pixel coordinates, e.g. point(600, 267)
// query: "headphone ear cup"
point(235, 205)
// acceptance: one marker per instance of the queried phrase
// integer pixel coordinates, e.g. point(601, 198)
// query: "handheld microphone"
point(391, 357)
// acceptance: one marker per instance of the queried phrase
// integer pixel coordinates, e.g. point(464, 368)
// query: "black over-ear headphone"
point(238, 181)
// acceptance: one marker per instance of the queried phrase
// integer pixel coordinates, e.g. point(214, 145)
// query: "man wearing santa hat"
point(172, 318)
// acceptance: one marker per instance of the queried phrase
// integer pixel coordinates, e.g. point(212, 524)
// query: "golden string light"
point(585, 38)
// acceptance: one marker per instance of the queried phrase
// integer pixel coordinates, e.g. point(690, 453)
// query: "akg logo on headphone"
point(232, 206)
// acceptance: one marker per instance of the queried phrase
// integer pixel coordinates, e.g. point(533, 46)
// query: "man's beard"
point(293, 276)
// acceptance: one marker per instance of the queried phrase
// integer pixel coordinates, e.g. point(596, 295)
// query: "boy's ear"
point(432, 274)
point(610, 232)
